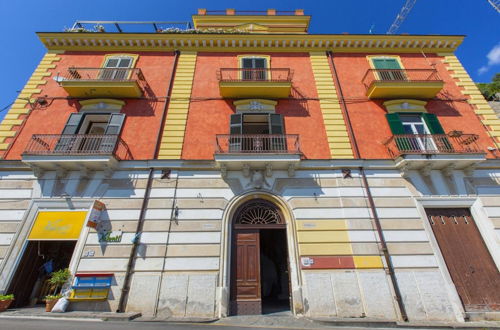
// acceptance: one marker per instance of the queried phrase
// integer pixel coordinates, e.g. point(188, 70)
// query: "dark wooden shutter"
point(277, 143)
point(115, 123)
point(236, 129)
point(245, 288)
point(113, 129)
point(73, 123)
point(432, 123)
point(69, 138)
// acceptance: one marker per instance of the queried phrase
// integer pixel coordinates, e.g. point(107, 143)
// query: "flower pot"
point(4, 304)
point(49, 304)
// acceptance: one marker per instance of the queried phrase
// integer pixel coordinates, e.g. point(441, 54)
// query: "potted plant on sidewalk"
point(5, 301)
point(57, 280)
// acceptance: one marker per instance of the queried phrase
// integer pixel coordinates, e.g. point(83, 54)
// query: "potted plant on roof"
point(57, 280)
point(5, 301)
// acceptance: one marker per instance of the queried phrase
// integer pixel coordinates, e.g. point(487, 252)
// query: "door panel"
point(245, 281)
point(469, 262)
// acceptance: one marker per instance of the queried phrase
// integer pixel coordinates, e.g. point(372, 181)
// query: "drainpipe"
point(136, 242)
point(390, 266)
point(167, 102)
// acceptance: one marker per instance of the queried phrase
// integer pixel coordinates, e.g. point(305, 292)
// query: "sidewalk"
point(39, 312)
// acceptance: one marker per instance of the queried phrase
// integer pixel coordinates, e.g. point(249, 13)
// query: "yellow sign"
point(58, 225)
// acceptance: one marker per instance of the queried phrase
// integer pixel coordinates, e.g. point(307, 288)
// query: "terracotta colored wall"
point(210, 117)
point(143, 117)
point(368, 117)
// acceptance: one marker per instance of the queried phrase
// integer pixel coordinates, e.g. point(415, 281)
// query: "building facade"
point(246, 166)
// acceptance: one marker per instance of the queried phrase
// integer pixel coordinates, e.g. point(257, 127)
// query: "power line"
point(402, 16)
point(495, 4)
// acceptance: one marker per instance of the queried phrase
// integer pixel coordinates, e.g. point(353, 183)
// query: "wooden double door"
point(259, 274)
point(467, 258)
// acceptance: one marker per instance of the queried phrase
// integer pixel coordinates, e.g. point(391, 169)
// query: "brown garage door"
point(469, 262)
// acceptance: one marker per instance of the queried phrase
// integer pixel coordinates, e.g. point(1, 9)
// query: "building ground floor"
point(330, 239)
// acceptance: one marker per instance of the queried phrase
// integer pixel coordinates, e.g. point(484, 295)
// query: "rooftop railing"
point(454, 142)
point(128, 26)
point(257, 143)
point(250, 75)
point(399, 75)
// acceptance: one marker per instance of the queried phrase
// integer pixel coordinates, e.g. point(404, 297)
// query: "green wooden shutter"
point(402, 142)
point(432, 123)
point(395, 123)
point(386, 63)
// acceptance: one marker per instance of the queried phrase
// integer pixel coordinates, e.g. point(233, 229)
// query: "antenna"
point(402, 15)
point(495, 4)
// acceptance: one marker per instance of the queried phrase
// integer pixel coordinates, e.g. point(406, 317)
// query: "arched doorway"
point(260, 281)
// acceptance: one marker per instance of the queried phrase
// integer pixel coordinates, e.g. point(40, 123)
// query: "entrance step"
point(483, 316)
point(39, 312)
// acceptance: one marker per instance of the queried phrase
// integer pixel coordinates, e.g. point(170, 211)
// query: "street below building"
point(92, 324)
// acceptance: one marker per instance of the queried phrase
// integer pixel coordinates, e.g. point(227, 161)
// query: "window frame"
point(133, 57)
point(267, 66)
point(371, 58)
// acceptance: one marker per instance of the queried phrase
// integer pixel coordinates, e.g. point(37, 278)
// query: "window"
point(257, 132)
point(254, 67)
point(91, 132)
point(388, 68)
point(425, 128)
point(117, 67)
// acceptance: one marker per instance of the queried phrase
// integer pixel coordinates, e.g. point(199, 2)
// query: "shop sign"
point(95, 214)
point(57, 225)
point(111, 236)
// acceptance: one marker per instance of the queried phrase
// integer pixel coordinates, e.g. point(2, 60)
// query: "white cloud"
point(493, 59)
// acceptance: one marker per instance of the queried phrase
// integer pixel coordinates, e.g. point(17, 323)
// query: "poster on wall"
point(95, 214)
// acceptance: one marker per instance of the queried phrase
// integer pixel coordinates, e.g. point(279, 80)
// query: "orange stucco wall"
point(209, 114)
point(143, 116)
point(368, 117)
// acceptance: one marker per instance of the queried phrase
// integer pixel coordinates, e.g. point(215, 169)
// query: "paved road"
point(51, 324)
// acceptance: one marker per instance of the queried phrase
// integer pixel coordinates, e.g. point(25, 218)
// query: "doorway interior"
point(40, 258)
point(260, 280)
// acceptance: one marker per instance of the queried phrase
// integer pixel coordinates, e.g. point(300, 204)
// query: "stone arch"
point(225, 255)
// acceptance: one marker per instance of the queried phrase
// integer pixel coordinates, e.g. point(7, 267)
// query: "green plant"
point(53, 296)
point(6, 297)
point(59, 278)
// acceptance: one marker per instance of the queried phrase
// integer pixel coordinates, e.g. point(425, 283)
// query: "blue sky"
point(20, 19)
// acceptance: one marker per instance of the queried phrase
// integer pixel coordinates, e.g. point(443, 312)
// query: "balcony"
point(74, 151)
point(103, 82)
point(255, 83)
point(435, 150)
point(257, 150)
point(411, 83)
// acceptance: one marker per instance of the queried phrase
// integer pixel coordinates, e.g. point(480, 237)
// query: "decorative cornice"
point(76, 41)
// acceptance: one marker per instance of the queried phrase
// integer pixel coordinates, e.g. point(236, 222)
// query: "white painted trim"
point(486, 230)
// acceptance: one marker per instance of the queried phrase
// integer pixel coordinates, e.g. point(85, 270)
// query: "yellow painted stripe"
point(175, 124)
point(323, 236)
point(329, 104)
point(19, 107)
point(488, 118)
point(368, 262)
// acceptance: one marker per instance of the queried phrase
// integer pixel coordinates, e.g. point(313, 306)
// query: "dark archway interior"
point(274, 273)
point(40, 258)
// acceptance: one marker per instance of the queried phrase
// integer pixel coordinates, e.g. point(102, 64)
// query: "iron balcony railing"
point(257, 143)
point(399, 75)
point(242, 75)
point(454, 142)
point(76, 144)
point(103, 74)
